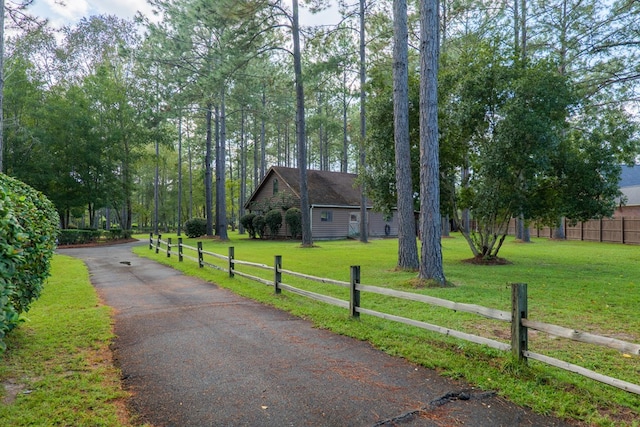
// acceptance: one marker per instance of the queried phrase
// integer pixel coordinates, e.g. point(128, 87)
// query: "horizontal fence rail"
point(517, 317)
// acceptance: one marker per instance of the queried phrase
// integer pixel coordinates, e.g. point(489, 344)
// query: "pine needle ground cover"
point(592, 287)
point(58, 369)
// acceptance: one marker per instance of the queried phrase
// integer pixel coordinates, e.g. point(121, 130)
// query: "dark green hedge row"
point(81, 237)
point(28, 233)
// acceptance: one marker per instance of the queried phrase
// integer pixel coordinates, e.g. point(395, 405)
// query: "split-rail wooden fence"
point(518, 316)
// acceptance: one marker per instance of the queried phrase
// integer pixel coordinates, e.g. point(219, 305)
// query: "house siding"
point(377, 225)
point(284, 194)
point(337, 228)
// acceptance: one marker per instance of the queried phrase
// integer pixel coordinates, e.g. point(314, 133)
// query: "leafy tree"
point(512, 160)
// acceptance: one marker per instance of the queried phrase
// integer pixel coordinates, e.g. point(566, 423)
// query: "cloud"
point(120, 8)
point(68, 10)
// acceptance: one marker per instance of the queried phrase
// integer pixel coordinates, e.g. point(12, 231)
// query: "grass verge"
point(587, 286)
point(58, 369)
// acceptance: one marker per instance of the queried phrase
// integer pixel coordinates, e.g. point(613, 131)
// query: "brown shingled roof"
point(325, 187)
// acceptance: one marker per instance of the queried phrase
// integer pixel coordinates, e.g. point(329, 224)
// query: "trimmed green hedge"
point(73, 236)
point(78, 237)
point(11, 241)
point(195, 227)
point(29, 223)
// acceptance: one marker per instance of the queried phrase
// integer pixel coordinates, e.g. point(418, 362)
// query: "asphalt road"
point(194, 354)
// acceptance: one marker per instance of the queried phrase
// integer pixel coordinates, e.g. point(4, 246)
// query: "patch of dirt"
point(418, 283)
point(11, 391)
point(480, 260)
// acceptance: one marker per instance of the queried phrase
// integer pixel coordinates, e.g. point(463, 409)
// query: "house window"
point(326, 216)
point(275, 186)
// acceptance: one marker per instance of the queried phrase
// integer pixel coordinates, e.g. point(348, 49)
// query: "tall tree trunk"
point(208, 173)
point(307, 239)
point(156, 190)
point(256, 178)
point(430, 219)
point(345, 135)
point(243, 170)
point(407, 246)
point(263, 135)
point(190, 177)
point(279, 144)
point(364, 220)
point(221, 190)
point(180, 174)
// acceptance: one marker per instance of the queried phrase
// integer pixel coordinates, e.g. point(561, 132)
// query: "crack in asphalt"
point(435, 403)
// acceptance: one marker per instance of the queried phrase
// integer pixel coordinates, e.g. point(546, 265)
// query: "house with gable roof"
point(630, 188)
point(334, 200)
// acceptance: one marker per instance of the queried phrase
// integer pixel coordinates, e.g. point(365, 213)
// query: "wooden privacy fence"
point(611, 230)
point(518, 316)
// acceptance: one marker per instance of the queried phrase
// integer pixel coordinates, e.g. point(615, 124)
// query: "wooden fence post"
point(601, 235)
point(158, 244)
point(232, 265)
point(200, 260)
point(169, 247)
point(622, 225)
point(519, 311)
point(150, 240)
point(354, 295)
point(277, 276)
point(180, 249)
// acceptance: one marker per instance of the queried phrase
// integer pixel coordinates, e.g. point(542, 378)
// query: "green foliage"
point(259, 226)
point(380, 175)
point(11, 241)
point(118, 234)
point(247, 223)
point(78, 237)
point(195, 227)
point(30, 228)
point(273, 221)
point(293, 219)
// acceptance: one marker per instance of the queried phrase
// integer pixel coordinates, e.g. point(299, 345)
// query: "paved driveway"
point(194, 354)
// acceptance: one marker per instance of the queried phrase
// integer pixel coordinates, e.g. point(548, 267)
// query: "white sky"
point(65, 12)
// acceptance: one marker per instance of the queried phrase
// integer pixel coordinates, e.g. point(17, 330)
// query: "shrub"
point(38, 220)
point(195, 227)
point(78, 237)
point(293, 218)
point(118, 233)
point(259, 226)
point(247, 223)
point(11, 241)
point(273, 220)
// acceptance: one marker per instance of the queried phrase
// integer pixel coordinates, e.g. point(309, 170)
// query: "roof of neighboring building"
point(630, 184)
point(630, 176)
point(324, 187)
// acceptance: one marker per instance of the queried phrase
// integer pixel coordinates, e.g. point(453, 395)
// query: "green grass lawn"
point(593, 287)
point(58, 369)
